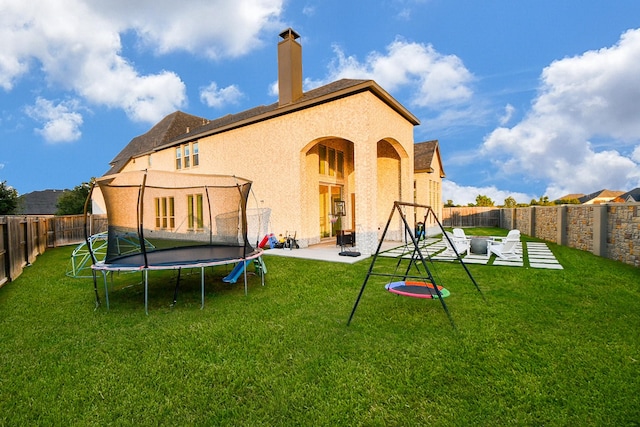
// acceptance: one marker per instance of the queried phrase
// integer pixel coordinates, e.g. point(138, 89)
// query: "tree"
point(542, 201)
point(567, 202)
point(72, 201)
point(510, 202)
point(8, 199)
point(449, 204)
point(482, 200)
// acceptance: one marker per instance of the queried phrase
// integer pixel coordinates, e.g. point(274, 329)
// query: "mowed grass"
point(543, 347)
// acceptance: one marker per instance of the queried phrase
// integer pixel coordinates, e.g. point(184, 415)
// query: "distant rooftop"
point(39, 202)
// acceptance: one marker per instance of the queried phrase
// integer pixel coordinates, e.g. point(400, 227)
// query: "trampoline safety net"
point(173, 210)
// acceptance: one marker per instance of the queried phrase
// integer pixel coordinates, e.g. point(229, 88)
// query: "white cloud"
point(273, 90)
point(635, 156)
point(215, 28)
point(439, 83)
point(582, 99)
point(61, 122)
point(309, 10)
point(217, 98)
point(463, 195)
point(508, 114)
point(404, 14)
point(439, 80)
point(76, 44)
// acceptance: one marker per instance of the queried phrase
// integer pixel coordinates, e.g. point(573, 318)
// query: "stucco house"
point(428, 174)
point(343, 148)
point(629, 197)
point(602, 196)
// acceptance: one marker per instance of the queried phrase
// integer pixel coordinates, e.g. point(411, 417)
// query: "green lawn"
point(545, 347)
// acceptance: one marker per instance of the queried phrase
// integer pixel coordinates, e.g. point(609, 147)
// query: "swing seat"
point(416, 289)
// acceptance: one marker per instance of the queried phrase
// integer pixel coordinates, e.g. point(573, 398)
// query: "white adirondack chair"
point(459, 234)
point(506, 247)
point(513, 234)
point(461, 244)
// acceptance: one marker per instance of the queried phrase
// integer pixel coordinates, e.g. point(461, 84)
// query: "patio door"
point(329, 223)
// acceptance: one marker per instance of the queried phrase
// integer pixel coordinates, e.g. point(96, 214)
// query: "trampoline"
point(416, 289)
point(81, 257)
point(193, 221)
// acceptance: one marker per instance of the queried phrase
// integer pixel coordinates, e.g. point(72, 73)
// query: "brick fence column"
point(600, 230)
point(561, 232)
point(532, 222)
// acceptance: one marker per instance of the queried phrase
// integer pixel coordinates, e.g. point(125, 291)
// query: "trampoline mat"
point(183, 256)
point(416, 289)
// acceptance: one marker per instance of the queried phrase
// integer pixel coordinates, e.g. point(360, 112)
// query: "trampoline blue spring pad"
point(416, 289)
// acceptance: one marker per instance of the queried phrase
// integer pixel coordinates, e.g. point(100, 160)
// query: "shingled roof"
point(423, 153)
point(629, 196)
point(605, 195)
point(327, 93)
point(172, 130)
point(40, 202)
point(172, 126)
point(572, 196)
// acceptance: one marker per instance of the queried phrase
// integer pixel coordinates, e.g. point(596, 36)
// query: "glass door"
point(336, 220)
point(325, 203)
point(329, 222)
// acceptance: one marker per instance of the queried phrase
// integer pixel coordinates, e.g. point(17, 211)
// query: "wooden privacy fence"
point(23, 238)
point(69, 229)
point(471, 216)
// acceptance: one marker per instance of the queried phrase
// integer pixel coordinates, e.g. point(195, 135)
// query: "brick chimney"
point(289, 67)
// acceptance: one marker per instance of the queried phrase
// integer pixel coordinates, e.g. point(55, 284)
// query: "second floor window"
point(187, 156)
point(331, 162)
point(196, 160)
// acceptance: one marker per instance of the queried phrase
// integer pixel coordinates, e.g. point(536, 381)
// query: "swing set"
point(415, 280)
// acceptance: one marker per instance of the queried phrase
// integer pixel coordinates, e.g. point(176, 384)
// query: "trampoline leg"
point(245, 277)
point(106, 289)
point(175, 292)
point(146, 291)
point(95, 288)
point(202, 286)
point(262, 270)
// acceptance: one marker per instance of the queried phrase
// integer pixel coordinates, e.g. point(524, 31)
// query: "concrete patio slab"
point(538, 254)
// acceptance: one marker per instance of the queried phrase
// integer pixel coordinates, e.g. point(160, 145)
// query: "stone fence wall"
point(608, 230)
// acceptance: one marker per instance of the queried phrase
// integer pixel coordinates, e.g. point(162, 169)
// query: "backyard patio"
point(539, 346)
point(533, 254)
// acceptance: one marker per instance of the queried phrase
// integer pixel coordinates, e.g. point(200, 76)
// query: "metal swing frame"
point(417, 257)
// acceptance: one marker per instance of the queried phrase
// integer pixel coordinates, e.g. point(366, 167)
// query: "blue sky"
point(527, 98)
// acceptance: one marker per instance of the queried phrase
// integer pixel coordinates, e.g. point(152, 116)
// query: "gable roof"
point(160, 136)
point(629, 196)
point(40, 202)
point(572, 196)
point(167, 129)
point(327, 93)
point(602, 194)
point(423, 155)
